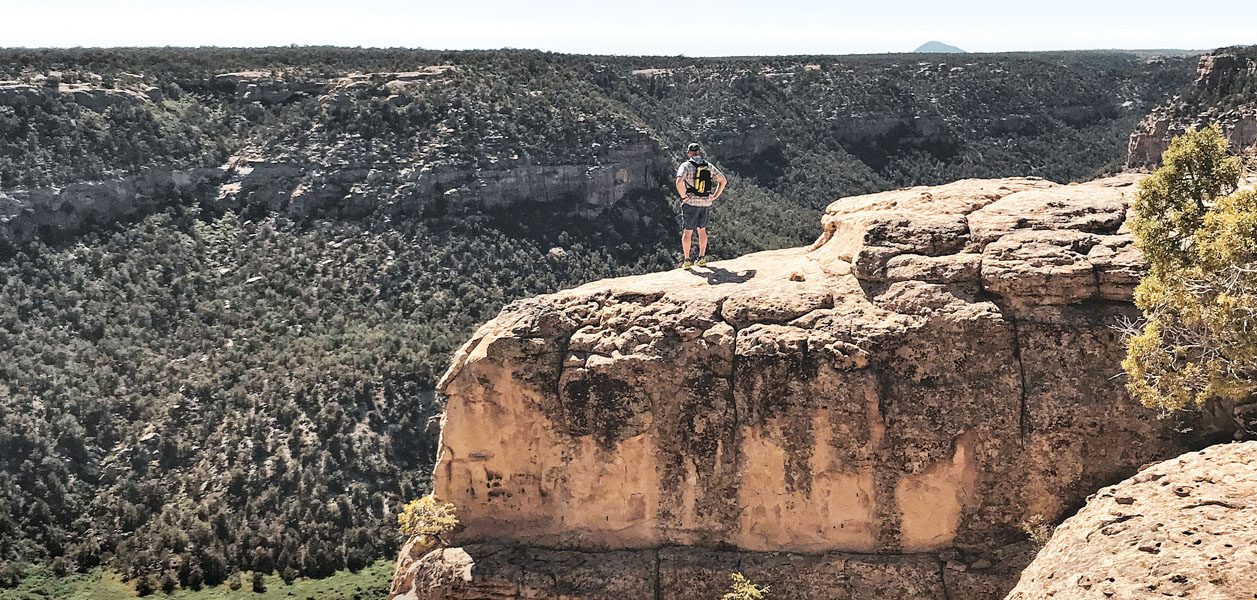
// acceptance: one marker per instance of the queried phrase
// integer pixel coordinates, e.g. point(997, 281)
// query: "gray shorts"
point(695, 217)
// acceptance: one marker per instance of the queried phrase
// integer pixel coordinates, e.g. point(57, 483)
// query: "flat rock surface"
point(1183, 528)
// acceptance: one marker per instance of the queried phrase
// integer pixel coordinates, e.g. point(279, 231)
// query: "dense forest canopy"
point(209, 388)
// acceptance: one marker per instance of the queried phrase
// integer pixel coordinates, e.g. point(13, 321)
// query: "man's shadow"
point(717, 275)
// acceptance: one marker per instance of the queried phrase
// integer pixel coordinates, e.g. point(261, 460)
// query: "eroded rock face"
point(266, 87)
point(936, 369)
point(92, 96)
point(50, 213)
point(1184, 528)
point(1223, 94)
point(327, 173)
point(315, 186)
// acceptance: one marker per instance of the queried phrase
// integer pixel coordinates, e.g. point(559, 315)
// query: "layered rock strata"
point(1225, 93)
point(1184, 528)
point(51, 213)
point(884, 408)
point(317, 186)
point(491, 571)
point(330, 174)
point(303, 189)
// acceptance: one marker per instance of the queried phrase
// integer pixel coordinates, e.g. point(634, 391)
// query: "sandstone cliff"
point(331, 170)
point(873, 416)
point(92, 95)
point(1184, 528)
point(351, 179)
point(340, 167)
point(1225, 93)
point(53, 213)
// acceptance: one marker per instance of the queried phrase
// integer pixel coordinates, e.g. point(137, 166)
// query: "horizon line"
point(1180, 51)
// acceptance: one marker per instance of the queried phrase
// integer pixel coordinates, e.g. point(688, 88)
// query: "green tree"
point(1199, 298)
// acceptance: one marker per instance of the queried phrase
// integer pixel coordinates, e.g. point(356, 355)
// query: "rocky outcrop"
point(92, 96)
point(303, 190)
point(277, 87)
point(937, 369)
point(317, 186)
point(324, 173)
point(1184, 528)
point(330, 174)
point(1225, 93)
point(52, 213)
point(266, 87)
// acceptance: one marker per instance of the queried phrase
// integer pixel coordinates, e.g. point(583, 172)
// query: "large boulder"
point(1183, 528)
point(937, 369)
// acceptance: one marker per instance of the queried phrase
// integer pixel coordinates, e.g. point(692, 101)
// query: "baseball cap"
point(693, 147)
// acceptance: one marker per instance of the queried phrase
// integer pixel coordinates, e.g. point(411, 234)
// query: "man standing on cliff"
point(700, 183)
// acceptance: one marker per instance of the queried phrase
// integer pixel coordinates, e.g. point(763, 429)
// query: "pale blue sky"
point(715, 28)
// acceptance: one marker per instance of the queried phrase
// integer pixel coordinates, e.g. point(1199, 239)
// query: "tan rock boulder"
point(867, 231)
point(1041, 267)
point(934, 371)
point(1183, 528)
point(1094, 207)
point(1022, 239)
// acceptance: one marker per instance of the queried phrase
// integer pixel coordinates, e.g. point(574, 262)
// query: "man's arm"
point(721, 182)
point(683, 173)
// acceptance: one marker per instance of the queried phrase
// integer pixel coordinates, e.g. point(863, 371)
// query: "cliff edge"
point(873, 416)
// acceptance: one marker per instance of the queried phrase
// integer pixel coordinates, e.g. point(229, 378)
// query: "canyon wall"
point(52, 213)
point(1225, 93)
point(327, 173)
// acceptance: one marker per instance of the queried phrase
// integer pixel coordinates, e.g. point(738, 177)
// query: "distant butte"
point(937, 47)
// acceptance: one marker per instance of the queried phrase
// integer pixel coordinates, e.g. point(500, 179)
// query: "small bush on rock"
point(744, 589)
point(428, 519)
point(1038, 529)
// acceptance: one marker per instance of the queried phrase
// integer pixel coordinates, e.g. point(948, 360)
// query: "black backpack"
point(703, 184)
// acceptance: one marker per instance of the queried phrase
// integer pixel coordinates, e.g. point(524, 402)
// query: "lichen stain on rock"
point(607, 409)
point(697, 444)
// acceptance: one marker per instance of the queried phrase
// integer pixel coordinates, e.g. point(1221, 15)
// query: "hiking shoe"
point(702, 261)
point(687, 264)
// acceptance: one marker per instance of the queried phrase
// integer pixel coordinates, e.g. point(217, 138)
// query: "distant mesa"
point(935, 46)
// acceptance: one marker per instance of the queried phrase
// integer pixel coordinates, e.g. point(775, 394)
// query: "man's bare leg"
point(685, 242)
point(702, 242)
